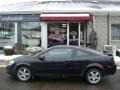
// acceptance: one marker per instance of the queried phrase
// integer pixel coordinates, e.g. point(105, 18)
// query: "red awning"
point(49, 17)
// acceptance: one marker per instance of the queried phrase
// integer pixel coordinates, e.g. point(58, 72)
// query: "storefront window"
point(115, 31)
point(31, 34)
point(6, 34)
point(73, 34)
point(57, 34)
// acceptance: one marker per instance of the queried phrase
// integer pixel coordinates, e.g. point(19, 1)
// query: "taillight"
point(110, 64)
point(113, 61)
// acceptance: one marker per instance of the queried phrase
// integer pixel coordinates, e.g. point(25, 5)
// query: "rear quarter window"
point(84, 52)
point(80, 53)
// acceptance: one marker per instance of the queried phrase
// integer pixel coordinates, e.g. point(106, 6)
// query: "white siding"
point(101, 29)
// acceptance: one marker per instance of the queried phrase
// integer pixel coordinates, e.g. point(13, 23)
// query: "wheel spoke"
point(25, 77)
point(27, 74)
point(97, 78)
point(21, 75)
point(93, 79)
point(92, 73)
point(90, 77)
point(96, 74)
point(21, 72)
point(24, 70)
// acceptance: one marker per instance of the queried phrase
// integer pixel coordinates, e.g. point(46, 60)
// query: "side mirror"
point(42, 58)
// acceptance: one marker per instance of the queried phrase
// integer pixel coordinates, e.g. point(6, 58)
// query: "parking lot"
point(9, 83)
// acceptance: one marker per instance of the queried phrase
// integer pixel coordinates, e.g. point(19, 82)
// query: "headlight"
point(11, 62)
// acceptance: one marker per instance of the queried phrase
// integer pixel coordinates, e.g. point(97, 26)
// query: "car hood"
point(25, 58)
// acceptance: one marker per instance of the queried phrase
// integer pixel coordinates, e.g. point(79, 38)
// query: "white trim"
point(44, 39)
point(94, 21)
point(79, 33)
point(67, 33)
point(64, 15)
point(16, 30)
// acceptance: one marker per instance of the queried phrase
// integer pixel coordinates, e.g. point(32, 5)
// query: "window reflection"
point(59, 54)
point(6, 34)
point(57, 34)
point(31, 34)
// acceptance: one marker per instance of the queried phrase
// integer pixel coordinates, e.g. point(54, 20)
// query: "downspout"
point(108, 29)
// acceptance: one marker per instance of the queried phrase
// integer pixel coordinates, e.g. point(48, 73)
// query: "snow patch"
point(4, 57)
point(8, 47)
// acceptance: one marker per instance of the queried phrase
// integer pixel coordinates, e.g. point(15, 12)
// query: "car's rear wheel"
point(93, 76)
point(23, 73)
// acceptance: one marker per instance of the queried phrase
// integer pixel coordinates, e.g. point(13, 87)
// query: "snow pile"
point(3, 57)
point(33, 50)
point(8, 47)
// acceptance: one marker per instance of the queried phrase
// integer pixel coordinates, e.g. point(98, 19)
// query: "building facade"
point(50, 23)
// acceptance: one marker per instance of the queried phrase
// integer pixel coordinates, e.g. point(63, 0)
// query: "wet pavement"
point(10, 83)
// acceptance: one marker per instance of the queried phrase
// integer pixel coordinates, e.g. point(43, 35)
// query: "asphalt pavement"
point(7, 82)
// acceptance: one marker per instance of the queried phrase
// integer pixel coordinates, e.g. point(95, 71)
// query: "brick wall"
point(100, 23)
point(101, 29)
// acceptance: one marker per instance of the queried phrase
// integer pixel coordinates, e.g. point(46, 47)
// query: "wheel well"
point(94, 67)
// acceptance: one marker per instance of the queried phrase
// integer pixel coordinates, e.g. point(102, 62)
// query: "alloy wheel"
point(93, 76)
point(24, 74)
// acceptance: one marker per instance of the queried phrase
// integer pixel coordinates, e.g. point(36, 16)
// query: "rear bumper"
point(111, 70)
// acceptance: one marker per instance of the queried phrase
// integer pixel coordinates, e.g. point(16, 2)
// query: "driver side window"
point(58, 54)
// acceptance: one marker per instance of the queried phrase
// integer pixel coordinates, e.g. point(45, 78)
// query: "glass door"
point(73, 33)
point(57, 32)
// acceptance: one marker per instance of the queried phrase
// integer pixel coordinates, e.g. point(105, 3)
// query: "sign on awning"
point(24, 17)
point(48, 17)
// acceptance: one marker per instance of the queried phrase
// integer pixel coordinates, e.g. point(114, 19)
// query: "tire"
point(93, 76)
point(23, 74)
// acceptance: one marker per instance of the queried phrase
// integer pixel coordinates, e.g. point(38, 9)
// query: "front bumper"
point(10, 69)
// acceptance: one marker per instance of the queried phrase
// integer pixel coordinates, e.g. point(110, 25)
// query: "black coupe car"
point(63, 61)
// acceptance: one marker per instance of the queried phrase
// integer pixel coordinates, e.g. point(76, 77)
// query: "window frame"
point(89, 54)
point(112, 32)
point(36, 30)
point(59, 59)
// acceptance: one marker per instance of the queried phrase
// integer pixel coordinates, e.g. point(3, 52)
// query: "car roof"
point(69, 46)
point(76, 47)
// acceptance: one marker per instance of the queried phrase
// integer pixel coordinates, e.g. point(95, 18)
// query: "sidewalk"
point(4, 60)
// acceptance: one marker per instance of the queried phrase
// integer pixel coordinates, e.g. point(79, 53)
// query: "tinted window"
point(80, 53)
point(59, 53)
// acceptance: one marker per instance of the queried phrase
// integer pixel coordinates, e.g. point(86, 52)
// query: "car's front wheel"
point(23, 73)
point(93, 76)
